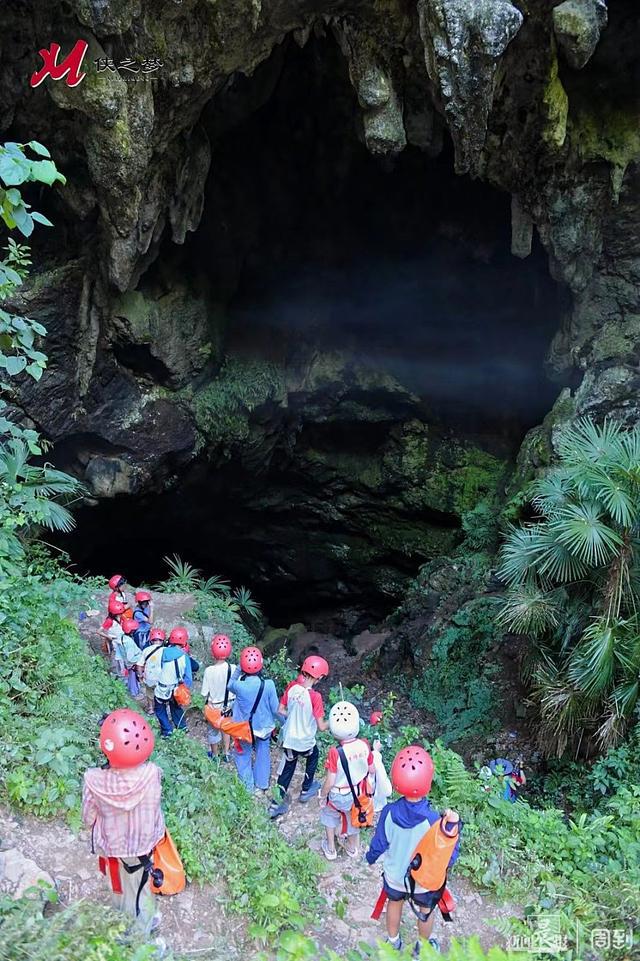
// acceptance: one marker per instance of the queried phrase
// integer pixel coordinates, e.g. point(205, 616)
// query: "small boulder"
point(577, 25)
point(18, 873)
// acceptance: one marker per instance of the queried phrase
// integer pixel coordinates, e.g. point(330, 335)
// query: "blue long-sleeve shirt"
point(246, 687)
point(401, 826)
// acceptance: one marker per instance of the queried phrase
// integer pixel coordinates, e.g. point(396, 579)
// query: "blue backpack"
point(141, 635)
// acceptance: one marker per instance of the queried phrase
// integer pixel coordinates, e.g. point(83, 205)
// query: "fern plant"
point(30, 497)
point(581, 551)
point(183, 578)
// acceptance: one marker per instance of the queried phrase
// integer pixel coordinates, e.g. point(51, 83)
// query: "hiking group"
point(122, 800)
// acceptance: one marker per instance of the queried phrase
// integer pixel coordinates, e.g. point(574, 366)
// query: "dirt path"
point(196, 919)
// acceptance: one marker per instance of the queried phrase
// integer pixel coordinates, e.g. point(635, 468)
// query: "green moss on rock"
point(222, 409)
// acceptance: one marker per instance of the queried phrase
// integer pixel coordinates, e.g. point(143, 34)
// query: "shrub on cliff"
point(573, 579)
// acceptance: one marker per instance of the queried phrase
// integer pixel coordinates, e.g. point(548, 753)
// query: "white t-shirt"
point(214, 684)
point(300, 728)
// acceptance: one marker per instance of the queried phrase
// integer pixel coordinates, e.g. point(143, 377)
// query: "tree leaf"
point(39, 148)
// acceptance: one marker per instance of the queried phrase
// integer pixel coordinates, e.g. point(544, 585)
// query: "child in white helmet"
point(336, 797)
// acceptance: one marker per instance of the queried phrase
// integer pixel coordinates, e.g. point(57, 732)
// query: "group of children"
point(244, 712)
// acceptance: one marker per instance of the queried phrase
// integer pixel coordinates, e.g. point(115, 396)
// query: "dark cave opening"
point(309, 243)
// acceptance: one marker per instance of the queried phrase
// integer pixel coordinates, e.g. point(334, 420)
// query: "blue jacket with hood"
point(401, 826)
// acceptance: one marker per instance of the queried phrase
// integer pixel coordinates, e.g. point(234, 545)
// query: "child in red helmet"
point(174, 669)
point(256, 702)
point(303, 709)
point(215, 690)
point(121, 807)
point(402, 824)
point(146, 665)
point(112, 631)
point(117, 585)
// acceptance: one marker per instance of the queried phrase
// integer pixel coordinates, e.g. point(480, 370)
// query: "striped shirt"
point(122, 807)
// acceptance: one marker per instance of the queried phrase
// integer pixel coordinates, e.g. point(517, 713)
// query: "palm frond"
point(556, 561)
point(552, 492)
point(588, 442)
point(55, 516)
point(592, 664)
point(582, 530)
point(216, 585)
point(529, 610)
point(245, 602)
point(520, 553)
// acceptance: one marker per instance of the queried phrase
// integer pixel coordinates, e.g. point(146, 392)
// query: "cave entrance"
point(382, 298)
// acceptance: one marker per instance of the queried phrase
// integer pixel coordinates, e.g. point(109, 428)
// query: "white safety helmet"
point(344, 720)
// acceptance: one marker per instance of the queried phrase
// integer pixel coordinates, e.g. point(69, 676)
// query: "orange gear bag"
point(430, 860)
point(167, 860)
point(238, 730)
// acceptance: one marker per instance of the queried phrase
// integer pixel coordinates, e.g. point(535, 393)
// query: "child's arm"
point(379, 842)
point(323, 725)
point(89, 807)
point(327, 784)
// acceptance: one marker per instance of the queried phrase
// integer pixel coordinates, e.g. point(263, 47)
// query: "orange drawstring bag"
point(430, 860)
point(167, 860)
point(238, 730)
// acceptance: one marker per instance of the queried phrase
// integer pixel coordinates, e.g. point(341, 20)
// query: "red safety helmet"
point(117, 581)
point(220, 646)
point(142, 596)
point(179, 636)
point(412, 771)
point(116, 607)
point(125, 738)
point(129, 625)
point(157, 634)
point(251, 660)
point(315, 667)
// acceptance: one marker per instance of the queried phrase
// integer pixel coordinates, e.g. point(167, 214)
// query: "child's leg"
point(331, 838)
point(426, 927)
point(166, 726)
point(213, 739)
point(287, 772)
point(244, 765)
point(311, 768)
point(262, 767)
point(226, 745)
point(393, 917)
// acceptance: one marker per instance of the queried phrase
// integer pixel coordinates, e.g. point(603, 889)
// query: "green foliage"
point(280, 668)
point(582, 547)
point(29, 496)
point(216, 604)
point(83, 930)
point(582, 869)
point(222, 409)
point(458, 687)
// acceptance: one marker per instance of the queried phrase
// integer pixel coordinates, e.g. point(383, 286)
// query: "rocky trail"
point(199, 919)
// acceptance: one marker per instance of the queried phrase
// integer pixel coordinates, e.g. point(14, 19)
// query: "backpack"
point(141, 635)
point(362, 813)
point(152, 665)
point(430, 860)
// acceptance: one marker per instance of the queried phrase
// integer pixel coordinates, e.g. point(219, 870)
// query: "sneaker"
point(435, 944)
point(278, 808)
point(312, 790)
point(226, 758)
point(395, 943)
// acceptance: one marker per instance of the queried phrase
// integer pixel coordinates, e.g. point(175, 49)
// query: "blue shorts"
point(424, 899)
